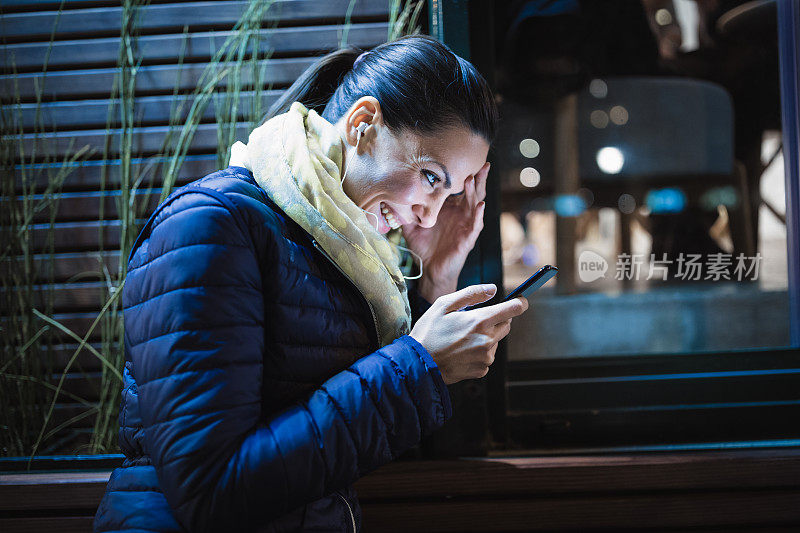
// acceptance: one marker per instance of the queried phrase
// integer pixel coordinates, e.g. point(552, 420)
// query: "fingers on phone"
point(508, 310)
point(472, 295)
point(490, 317)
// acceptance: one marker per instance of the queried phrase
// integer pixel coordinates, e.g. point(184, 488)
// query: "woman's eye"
point(431, 177)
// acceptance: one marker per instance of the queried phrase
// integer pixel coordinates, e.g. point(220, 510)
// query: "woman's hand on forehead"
point(445, 246)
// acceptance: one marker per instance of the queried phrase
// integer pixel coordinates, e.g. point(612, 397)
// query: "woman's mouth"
point(390, 218)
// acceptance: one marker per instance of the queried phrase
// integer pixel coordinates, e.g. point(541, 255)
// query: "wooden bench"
point(753, 490)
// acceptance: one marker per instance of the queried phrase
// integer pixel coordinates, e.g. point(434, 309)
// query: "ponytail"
point(315, 87)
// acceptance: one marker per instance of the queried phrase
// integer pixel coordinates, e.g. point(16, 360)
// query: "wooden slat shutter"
point(60, 63)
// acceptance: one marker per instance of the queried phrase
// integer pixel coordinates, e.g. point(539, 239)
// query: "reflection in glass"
point(529, 177)
point(599, 118)
point(529, 148)
point(658, 155)
point(610, 160)
point(618, 115)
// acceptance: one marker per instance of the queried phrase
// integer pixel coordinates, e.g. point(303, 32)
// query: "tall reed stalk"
point(227, 109)
point(103, 439)
point(404, 18)
point(223, 61)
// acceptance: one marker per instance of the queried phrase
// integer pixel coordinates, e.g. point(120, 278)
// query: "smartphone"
point(528, 287)
point(532, 284)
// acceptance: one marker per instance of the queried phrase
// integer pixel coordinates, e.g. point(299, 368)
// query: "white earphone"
point(361, 128)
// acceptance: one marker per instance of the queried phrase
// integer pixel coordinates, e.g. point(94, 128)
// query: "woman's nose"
point(426, 214)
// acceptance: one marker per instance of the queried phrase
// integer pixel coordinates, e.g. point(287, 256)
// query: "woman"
point(271, 358)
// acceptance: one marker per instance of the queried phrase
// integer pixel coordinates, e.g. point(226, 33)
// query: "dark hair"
point(422, 87)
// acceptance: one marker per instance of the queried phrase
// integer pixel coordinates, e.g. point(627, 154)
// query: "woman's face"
point(405, 179)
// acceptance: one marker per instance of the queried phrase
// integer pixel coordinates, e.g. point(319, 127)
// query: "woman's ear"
point(366, 110)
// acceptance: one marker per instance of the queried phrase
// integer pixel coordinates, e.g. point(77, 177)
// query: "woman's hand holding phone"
point(463, 342)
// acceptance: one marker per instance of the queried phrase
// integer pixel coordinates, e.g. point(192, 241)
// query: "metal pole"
point(789, 46)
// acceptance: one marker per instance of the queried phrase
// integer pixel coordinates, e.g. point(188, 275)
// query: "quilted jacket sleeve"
point(194, 319)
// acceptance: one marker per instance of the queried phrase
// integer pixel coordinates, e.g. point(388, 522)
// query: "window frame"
point(638, 401)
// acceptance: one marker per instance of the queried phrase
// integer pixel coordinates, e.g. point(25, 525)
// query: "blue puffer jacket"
point(255, 392)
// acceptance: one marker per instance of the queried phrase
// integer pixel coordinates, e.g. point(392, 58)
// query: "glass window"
point(640, 153)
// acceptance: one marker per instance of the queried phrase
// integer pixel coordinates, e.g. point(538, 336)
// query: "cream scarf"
point(296, 157)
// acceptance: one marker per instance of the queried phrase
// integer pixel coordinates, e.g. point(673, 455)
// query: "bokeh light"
point(610, 160)
point(626, 203)
point(529, 177)
point(663, 17)
point(587, 195)
point(530, 255)
point(619, 115)
point(569, 205)
point(598, 88)
point(726, 195)
point(667, 200)
point(529, 148)
point(599, 118)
